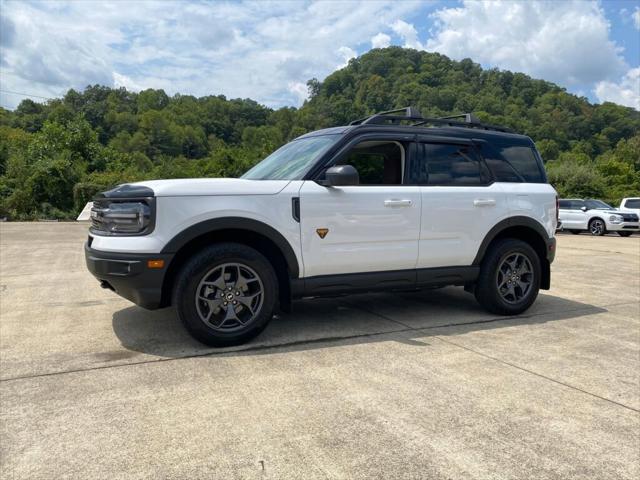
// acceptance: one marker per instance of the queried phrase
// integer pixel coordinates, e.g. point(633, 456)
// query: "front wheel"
point(509, 278)
point(225, 294)
point(597, 227)
point(625, 234)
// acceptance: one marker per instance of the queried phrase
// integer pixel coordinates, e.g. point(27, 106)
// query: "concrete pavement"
point(410, 385)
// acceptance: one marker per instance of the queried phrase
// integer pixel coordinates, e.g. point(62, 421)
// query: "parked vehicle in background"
point(596, 217)
point(390, 202)
point(630, 205)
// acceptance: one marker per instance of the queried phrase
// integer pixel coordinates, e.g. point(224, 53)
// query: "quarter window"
point(524, 161)
point(512, 163)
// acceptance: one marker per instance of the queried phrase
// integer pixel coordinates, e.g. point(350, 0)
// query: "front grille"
point(96, 217)
point(629, 217)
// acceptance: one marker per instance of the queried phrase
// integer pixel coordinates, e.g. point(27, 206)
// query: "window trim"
point(490, 180)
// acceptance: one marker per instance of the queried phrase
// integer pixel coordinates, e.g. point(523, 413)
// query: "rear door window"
point(448, 164)
point(632, 203)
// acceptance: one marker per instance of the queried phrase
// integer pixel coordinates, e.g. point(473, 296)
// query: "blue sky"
point(267, 50)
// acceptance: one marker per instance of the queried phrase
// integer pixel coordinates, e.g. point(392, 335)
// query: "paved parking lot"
point(411, 385)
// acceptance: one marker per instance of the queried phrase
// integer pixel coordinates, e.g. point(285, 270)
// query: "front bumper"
point(624, 227)
point(128, 274)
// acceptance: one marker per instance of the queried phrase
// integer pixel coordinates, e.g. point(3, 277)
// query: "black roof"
point(414, 123)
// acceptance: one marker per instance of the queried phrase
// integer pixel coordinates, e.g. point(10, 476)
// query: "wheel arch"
point(527, 230)
point(255, 234)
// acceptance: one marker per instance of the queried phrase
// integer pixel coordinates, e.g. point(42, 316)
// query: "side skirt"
point(327, 285)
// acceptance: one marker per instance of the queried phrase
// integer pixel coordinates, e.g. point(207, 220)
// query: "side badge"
point(322, 232)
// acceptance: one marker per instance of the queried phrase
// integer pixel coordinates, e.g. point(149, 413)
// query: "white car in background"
point(630, 205)
point(597, 217)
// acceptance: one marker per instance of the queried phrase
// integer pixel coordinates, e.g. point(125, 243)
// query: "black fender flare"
point(518, 221)
point(236, 223)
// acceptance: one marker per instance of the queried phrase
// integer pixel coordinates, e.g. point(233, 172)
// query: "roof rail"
point(411, 114)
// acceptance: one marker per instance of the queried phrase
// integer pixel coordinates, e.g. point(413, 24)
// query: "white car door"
point(370, 227)
point(573, 217)
point(459, 206)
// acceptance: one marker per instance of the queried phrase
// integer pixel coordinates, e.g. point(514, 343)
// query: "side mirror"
point(584, 209)
point(341, 176)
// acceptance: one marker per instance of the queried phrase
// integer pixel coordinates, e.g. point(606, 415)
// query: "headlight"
point(126, 217)
point(615, 219)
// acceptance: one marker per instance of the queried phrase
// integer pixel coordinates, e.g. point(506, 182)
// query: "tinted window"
point(501, 169)
point(448, 165)
point(571, 204)
point(634, 203)
point(377, 162)
point(524, 161)
point(597, 204)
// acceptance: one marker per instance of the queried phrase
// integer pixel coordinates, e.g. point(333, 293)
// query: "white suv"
point(391, 202)
point(630, 205)
point(596, 217)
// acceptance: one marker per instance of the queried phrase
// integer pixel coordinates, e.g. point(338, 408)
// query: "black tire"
point(625, 234)
point(576, 232)
point(221, 260)
point(597, 227)
point(487, 292)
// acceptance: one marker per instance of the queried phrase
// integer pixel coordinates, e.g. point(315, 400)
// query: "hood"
point(212, 186)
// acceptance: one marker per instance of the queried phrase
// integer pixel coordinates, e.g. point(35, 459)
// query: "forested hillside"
point(55, 156)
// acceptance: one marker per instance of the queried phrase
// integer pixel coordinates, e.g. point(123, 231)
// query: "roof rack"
point(411, 114)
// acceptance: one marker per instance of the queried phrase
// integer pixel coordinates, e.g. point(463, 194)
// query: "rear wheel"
point(225, 295)
point(576, 232)
point(625, 234)
point(509, 278)
point(597, 227)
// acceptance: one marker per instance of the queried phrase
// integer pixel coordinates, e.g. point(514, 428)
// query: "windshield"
point(597, 205)
point(293, 160)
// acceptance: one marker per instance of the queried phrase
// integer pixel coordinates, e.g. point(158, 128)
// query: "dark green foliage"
point(56, 156)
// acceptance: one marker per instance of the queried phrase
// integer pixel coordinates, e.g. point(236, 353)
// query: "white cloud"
point(381, 40)
point(300, 90)
point(626, 92)
point(249, 49)
point(408, 33)
point(347, 54)
point(636, 18)
point(120, 80)
point(564, 41)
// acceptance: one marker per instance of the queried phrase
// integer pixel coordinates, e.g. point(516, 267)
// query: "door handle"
point(484, 202)
point(393, 203)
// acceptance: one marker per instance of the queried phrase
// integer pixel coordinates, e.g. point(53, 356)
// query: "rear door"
point(460, 203)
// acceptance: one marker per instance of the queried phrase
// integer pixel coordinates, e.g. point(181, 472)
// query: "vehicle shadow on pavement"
point(319, 323)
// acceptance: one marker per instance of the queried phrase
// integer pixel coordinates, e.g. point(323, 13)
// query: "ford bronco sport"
point(391, 202)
